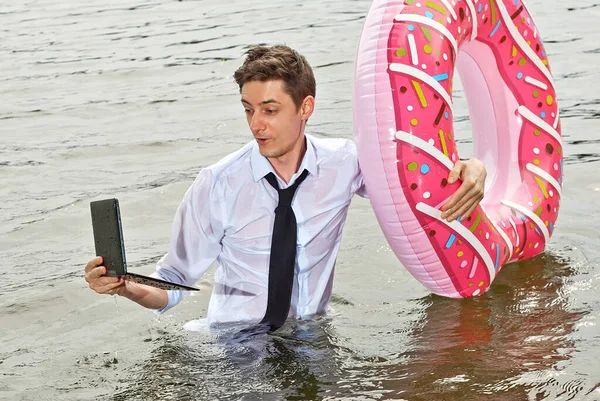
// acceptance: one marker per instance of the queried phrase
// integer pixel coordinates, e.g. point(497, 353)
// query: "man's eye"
point(271, 111)
point(247, 111)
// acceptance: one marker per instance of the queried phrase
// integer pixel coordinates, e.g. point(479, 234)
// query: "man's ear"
point(307, 107)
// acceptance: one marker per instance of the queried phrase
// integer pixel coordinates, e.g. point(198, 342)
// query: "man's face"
point(272, 117)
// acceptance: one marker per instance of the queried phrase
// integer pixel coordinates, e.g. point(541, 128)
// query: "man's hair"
point(278, 63)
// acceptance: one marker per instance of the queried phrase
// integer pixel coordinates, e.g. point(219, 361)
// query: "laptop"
point(108, 238)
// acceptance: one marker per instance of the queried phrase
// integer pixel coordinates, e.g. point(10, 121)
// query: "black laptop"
point(108, 238)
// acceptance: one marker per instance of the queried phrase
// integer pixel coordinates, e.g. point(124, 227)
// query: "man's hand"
point(103, 284)
point(464, 201)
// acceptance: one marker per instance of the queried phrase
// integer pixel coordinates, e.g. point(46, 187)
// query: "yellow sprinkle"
point(414, 122)
point(522, 61)
point(536, 132)
point(443, 141)
point(460, 253)
point(420, 94)
point(542, 186)
point(549, 100)
point(427, 49)
point(536, 161)
point(481, 283)
point(435, 7)
point(536, 94)
point(470, 284)
point(400, 52)
point(514, 51)
point(545, 62)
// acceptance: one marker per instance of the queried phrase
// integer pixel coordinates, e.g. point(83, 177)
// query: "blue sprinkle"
point(411, 28)
point(450, 240)
point(523, 217)
point(497, 256)
point(538, 231)
point(424, 168)
point(495, 28)
point(516, 2)
point(446, 115)
point(428, 14)
point(550, 227)
point(561, 170)
point(543, 53)
point(543, 114)
point(520, 75)
point(560, 180)
point(480, 7)
point(440, 77)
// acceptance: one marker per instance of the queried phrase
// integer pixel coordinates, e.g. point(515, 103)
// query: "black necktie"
point(283, 255)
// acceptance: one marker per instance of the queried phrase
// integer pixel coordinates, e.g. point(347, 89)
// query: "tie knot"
point(287, 194)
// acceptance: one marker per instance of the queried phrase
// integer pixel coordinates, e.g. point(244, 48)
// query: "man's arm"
point(195, 244)
point(464, 201)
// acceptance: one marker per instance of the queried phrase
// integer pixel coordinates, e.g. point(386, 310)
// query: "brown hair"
point(278, 62)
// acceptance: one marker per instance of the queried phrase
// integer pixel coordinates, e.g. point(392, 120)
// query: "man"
point(230, 211)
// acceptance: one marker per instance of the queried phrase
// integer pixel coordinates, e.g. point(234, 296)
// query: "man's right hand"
point(94, 275)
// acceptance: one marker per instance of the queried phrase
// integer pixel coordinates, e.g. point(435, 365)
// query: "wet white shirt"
point(227, 215)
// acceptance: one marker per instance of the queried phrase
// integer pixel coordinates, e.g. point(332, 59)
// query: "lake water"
point(130, 99)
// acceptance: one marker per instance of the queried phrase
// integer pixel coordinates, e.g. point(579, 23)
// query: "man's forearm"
point(148, 297)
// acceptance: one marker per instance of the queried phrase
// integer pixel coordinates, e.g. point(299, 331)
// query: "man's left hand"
point(464, 201)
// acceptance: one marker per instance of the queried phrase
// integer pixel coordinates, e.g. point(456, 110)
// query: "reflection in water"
point(462, 349)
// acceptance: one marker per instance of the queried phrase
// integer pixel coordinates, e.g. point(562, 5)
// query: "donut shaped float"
point(403, 127)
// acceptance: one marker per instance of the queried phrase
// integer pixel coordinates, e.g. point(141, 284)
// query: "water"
point(131, 98)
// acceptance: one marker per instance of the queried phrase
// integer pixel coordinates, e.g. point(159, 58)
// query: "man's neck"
point(287, 165)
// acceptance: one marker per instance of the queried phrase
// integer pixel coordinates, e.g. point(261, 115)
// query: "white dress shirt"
point(227, 215)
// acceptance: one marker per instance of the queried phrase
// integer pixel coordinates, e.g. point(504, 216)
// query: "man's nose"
point(257, 123)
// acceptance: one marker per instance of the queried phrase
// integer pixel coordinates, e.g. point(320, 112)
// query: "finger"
point(465, 199)
point(92, 264)
point(100, 281)
point(458, 196)
point(465, 210)
point(473, 207)
point(95, 273)
point(455, 172)
point(105, 289)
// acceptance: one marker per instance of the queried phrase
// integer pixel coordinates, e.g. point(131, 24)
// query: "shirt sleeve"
point(358, 183)
point(196, 236)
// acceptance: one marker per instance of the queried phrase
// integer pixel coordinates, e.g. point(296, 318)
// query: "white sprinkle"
point(459, 29)
point(426, 195)
point(550, 193)
point(409, 108)
point(431, 141)
point(493, 246)
point(555, 166)
point(476, 292)
point(445, 56)
point(449, 20)
point(530, 204)
point(424, 66)
point(536, 245)
point(418, 4)
point(487, 235)
point(463, 264)
point(536, 151)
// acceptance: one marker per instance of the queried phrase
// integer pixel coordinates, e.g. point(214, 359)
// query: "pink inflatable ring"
point(404, 132)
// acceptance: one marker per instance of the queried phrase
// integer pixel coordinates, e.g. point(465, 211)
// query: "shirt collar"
point(261, 165)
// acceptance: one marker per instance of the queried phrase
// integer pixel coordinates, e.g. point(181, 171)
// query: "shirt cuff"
point(174, 296)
